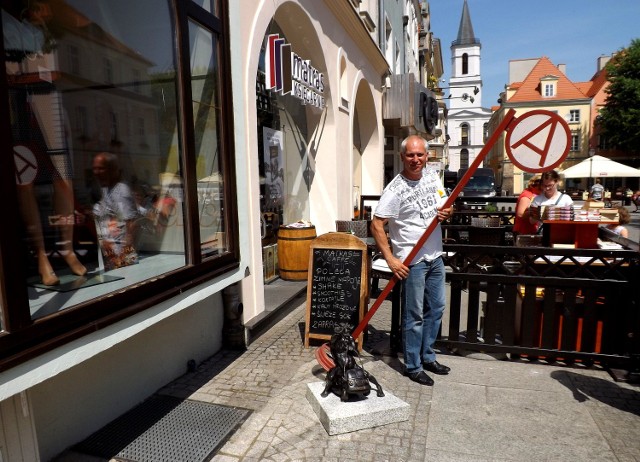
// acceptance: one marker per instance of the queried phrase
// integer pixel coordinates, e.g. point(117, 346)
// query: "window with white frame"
point(549, 89)
point(464, 134)
point(574, 116)
point(575, 141)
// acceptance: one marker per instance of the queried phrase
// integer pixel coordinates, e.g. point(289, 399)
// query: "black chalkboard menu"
point(337, 285)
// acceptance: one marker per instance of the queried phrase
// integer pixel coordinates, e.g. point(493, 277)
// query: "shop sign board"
point(336, 286)
point(288, 73)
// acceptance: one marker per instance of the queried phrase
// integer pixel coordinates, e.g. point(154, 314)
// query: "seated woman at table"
point(623, 219)
point(521, 224)
point(550, 196)
point(635, 200)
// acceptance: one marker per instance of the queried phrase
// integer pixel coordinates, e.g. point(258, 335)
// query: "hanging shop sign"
point(288, 73)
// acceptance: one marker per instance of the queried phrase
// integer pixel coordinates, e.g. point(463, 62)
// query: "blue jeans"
point(423, 301)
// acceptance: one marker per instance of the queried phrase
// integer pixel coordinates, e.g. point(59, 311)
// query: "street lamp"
point(476, 90)
point(464, 97)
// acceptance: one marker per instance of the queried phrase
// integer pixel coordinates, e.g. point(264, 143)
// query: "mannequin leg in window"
point(31, 218)
point(63, 203)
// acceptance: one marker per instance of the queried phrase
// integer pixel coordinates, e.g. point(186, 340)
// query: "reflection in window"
point(98, 168)
point(205, 87)
point(209, 5)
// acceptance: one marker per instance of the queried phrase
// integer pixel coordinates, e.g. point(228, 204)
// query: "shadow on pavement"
point(586, 387)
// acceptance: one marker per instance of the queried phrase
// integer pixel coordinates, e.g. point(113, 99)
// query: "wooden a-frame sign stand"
point(337, 286)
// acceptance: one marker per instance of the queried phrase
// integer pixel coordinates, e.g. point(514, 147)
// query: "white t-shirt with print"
point(410, 206)
point(541, 199)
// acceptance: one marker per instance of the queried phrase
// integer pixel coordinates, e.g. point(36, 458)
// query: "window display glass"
point(94, 121)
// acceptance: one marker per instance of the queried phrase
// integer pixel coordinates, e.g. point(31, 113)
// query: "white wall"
point(75, 403)
point(305, 25)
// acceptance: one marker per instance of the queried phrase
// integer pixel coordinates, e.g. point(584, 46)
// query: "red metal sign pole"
point(434, 222)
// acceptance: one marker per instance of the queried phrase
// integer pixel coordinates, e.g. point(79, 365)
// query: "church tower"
point(467, 120)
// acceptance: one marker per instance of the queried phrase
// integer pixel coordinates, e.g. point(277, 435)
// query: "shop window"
point(209, 5)
point(206, 118)
point(285, 130)
point(106, 225)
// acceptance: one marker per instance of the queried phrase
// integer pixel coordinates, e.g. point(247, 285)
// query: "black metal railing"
point(559, 304)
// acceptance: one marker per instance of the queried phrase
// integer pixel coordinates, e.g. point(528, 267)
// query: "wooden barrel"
point(293, 252)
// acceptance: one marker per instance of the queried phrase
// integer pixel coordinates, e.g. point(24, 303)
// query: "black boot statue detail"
point(347, 378)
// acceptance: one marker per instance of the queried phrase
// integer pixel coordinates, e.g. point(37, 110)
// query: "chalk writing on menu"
point(335, 289)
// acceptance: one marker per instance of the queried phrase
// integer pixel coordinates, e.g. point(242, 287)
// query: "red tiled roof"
point(530, 90)
point(596, 83)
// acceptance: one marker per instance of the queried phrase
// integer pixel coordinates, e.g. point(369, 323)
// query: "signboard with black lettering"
point(337, 285)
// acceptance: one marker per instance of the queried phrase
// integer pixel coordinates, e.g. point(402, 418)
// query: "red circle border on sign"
point(551, 115)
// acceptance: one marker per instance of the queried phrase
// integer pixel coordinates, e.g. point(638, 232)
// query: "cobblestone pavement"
point(484, 410)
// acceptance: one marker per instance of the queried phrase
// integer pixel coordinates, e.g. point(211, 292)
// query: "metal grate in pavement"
point(165, 429)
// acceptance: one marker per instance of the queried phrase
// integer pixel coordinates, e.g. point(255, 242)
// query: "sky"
point(570, 32)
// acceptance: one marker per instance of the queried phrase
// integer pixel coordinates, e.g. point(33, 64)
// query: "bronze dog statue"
point(347, 378)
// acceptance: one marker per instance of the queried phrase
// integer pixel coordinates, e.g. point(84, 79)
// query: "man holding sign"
point(408, 204)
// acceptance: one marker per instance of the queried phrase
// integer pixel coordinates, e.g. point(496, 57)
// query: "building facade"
point(540, 84)
point(467, 120)
point(157, 148)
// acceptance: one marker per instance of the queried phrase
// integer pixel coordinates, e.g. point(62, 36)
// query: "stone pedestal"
point(338, 417)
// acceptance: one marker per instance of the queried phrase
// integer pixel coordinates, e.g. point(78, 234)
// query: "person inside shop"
point(596, 191)
point(624, 218)
point(550, 197)
point(635, 200)
point(115, 213)
point(408, 205)
point(521, 224)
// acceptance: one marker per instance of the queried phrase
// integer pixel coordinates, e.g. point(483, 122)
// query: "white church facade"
point(467, 120)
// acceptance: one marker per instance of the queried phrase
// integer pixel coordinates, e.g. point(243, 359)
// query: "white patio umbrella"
point(598, 167)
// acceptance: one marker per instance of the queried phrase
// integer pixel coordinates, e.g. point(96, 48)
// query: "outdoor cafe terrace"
point(534, 300)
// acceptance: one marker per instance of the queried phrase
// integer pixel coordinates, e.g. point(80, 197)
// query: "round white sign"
point(26, 164)
point(539, 141)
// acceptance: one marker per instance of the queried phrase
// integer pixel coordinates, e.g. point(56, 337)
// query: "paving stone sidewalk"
point(484, 410)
